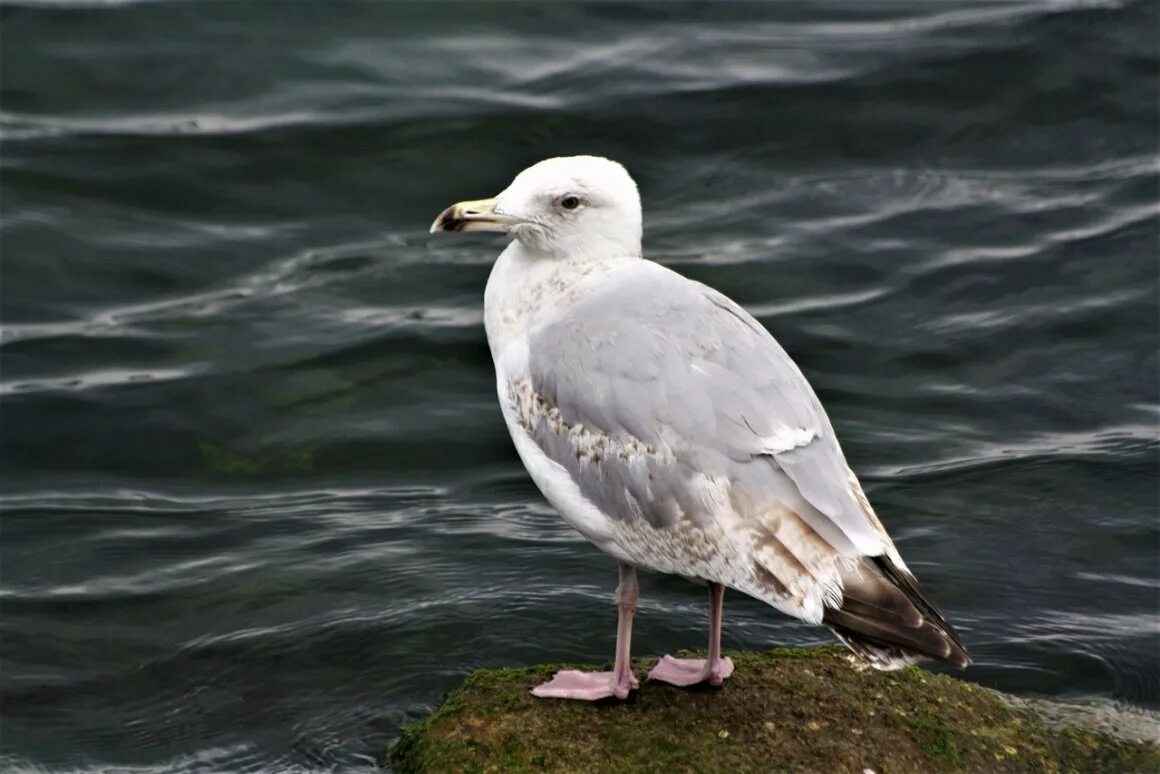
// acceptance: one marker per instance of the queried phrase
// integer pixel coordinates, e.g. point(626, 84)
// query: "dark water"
point(259, 506)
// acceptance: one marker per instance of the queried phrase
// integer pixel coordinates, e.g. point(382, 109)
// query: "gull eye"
point(570, 202)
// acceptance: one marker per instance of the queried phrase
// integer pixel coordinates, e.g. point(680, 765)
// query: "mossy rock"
point(809, 709)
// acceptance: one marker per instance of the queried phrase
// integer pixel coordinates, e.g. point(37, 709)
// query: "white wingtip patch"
point(786, 439)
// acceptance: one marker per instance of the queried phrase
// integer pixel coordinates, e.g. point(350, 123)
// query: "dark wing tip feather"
point(887, 619)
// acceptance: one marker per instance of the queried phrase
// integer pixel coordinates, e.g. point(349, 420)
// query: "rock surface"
point(810, 709)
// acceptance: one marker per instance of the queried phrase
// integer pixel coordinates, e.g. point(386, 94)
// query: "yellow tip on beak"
point(479, 215)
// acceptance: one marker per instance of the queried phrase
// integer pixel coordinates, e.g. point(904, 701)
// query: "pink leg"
point(589, 686)
point(690, 671)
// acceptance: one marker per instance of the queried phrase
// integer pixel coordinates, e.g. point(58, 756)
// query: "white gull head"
point(567, 207)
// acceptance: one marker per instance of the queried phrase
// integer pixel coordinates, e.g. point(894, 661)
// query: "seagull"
point(672, 431)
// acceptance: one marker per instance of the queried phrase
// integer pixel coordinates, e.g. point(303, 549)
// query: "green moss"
point(936, 741)
point(788, 709)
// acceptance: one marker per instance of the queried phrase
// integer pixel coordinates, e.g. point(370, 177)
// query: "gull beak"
point(479, 215)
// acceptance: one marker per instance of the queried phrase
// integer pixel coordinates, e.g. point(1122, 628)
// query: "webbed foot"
point(684, 672)
point(586, 686)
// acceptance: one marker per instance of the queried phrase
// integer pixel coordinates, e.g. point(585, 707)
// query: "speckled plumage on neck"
point(523, 284)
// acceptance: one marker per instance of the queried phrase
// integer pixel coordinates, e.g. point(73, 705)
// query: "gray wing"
point(655, 382)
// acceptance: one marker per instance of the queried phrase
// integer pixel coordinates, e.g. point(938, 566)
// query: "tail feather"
point(887, 619)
